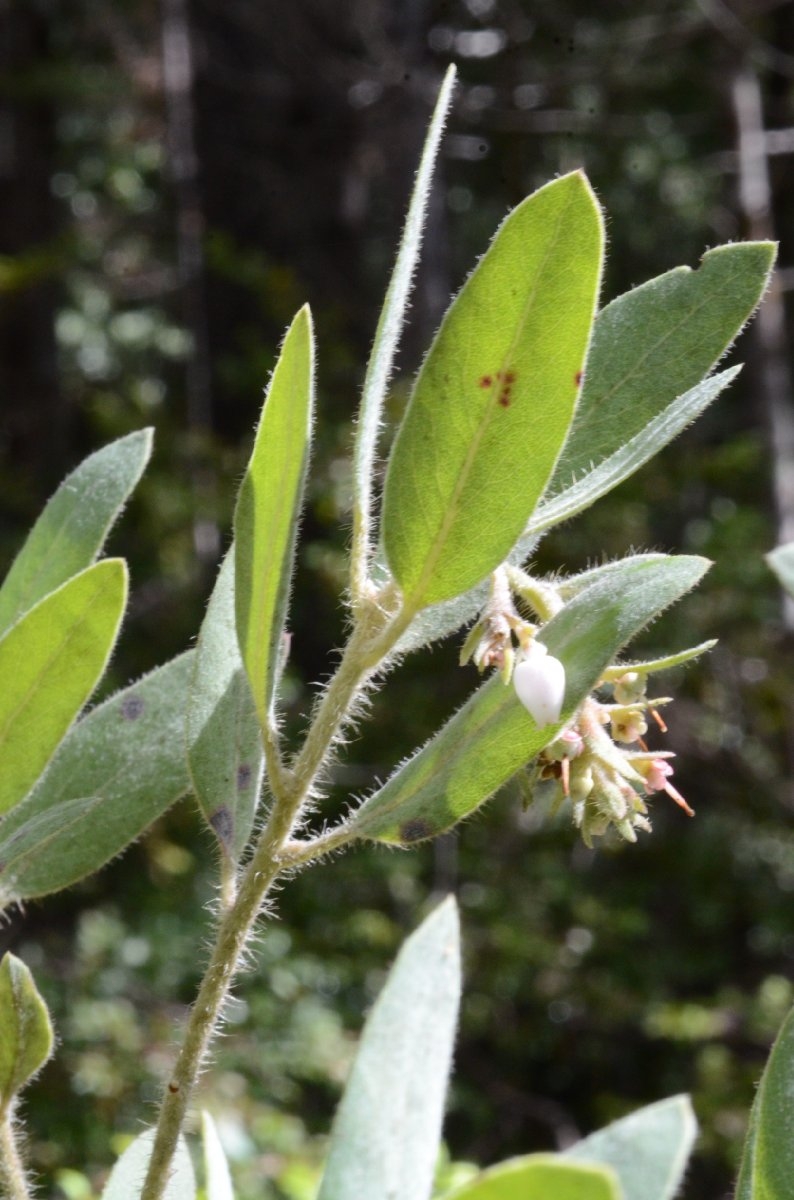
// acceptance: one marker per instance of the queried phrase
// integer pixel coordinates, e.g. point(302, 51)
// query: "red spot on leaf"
point(578, 378)
point(509, 377)
point(504, 397)
point(486, 381)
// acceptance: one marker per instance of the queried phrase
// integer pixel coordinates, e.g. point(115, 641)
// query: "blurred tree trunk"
point(35, 419)
point(308, 131)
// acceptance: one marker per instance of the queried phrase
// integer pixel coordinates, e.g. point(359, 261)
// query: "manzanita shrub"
point(531, 403)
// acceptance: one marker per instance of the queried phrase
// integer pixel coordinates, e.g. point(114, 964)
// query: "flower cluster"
point(599, 760)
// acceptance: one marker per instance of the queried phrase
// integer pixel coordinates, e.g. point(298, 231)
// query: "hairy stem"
point(13, 1183)
point(230, 942)
point(371, 641)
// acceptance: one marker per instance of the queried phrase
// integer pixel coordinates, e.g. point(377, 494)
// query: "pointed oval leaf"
point(492, 736)
point(627, 459)
point(540, 1177)
point(390, 323)
point(27, 1038)
point(440, 620)
point(216, 1168)
point(387, 1130)
point(117, 770)
point(655, 343)
point(224, 741)
point(72, 529)
point(268, 511)
point(44, 838)
point(50, 663)
point(494, 398)
point(648, 1150)
point(127, 1177)
point(768, 1161)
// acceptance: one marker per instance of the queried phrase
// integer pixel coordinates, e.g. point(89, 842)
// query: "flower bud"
point(630, 687)
point(539, 680)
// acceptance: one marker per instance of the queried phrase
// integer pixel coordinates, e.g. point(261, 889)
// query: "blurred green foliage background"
point(177, 178)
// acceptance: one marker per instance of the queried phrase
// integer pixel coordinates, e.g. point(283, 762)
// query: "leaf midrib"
point(452, 510)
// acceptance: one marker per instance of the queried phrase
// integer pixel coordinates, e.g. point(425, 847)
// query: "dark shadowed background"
point(176, 179)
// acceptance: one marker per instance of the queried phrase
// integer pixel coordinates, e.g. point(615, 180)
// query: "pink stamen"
point(679, 799)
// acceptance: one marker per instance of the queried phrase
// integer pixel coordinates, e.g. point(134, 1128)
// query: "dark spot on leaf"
point(486, 381)
point(132, 707)
point(416, 829)
point(578, 378)
point(173, 1088)
point(509, 377)
point(244, 774)
point(223, 824)
point(504, 397)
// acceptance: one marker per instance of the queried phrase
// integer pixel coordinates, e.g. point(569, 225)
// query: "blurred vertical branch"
point(755, 197)
point(178, 75)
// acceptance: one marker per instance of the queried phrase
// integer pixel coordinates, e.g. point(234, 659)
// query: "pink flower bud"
point(657, 774)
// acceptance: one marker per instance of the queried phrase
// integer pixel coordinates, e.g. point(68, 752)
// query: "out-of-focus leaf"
point(50, 663)
point(26, 1037)
point(268, 511)
point(72, 529)
point(768, 1161)
point(494, 398)
point(781, 561)
point(223, 736)
point(117, 770)
point(540, 1177)
point(492, 736)
point(216, 1168)
point(648, 1150)
point(127, 1177)
point(387, 1130)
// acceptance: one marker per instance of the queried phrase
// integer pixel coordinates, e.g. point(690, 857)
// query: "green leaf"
point(268, 509)
point(627, 459)
point(768, 1162)
point(50, 663)
point(540, 1177)
point(494, 398)
point(392, 318)
point(127, 1177)
point(216, 1168)
point(223, 736)
point(386, 1134)
point(781, 561)
point(650, 666)
point(442, 619)
point(745, 1184)
point(72, 529)
point(648, 1150)
point(492, 736)
point(655, 343)
point(26, 1038)
point(611, 571)
point(118, 769)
